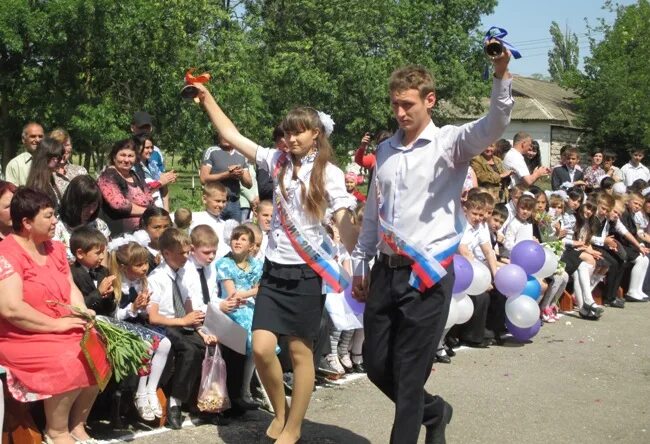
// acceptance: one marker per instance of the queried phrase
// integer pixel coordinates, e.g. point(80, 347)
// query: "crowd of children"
point(598, 231)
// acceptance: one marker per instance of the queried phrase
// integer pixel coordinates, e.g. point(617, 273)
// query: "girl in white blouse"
point(290, 299)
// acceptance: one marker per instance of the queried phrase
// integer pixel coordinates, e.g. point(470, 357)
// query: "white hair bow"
point(327, 121)
point(139, 237)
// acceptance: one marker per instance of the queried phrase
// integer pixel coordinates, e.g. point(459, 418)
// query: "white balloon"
point(465, 310)
point(550, 264)
point(482, 278)
point(522, 311)
point(452, 317)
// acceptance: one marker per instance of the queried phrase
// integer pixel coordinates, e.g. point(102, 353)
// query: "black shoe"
point(287, 380)
point(210, 418)
point(443, 359)
point(174, 419)
point(234, 411)
point(358, 368)
point(452, 342)
point(326, 369)
point(244, 404)
point(617, 303)
point(587, 313)
point(436, 434)
point(483, 344)
point(450, 352)
point(633, 299)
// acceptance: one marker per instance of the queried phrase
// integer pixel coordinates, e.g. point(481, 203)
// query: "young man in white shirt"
point(634, 169)
point(170, 307)
point(215, 198)
point(416, 191)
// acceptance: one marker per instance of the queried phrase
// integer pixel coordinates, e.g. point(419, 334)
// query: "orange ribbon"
point(190, 79)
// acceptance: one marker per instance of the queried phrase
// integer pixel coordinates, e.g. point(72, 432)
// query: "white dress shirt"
point(515, 232)
point(219, 227)
point(474, 237)
point(632, 173)
point(420, 185)
point(514, 160)
point(191, 280)
point(161, 290)
point(279, 248)
point(124, 314)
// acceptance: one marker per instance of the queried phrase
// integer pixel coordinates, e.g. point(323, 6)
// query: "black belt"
point(394, 260)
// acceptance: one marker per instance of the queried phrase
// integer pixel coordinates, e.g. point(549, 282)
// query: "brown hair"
point(242, 230)
point(555, 201)
point(60, 135)
point(213, 186)
point(85, 239)
point(126, 255)
point(526, 202)
point(204, 236)
point(173, 238)
point(183, 218)
point(297, 121)
point(412, 77)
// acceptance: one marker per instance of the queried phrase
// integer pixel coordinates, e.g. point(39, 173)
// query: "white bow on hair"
point(327, 121)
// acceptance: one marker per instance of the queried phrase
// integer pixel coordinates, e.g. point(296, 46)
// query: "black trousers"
point(496, 314)
point(235, 371)
point(402, 329)
point(614, 274)
point(188, 349)
point(474, 329)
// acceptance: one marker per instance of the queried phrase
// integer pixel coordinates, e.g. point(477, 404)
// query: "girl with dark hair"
point(147, 170)
point(80, 206)
point(125, 195)
point(7, 190)
point(533, 158)
point(45, 162)
point(290, 299)
point(153, 223)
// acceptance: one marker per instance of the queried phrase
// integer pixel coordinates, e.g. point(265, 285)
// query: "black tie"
point(93, 274)
point(179, 309)
point(204, 286)
point(133, 294)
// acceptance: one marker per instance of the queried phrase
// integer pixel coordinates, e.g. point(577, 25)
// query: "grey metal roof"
point(534, 100)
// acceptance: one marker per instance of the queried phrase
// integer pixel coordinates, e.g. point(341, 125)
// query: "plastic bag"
point(213, 393)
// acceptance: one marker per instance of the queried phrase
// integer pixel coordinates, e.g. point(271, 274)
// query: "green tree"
point(614, 94)
point(563, 58)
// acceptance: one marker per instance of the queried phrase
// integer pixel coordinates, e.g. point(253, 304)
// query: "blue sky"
point(528, 22)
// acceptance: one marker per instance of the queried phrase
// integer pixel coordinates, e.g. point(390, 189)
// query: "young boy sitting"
point(168, 308)
point(263, 217)
point(88, 246)
point(475, 245)
point(215, 198)
point(495, 223)
point(200, 274)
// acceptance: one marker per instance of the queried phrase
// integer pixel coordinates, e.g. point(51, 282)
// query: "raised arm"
point(224, 125)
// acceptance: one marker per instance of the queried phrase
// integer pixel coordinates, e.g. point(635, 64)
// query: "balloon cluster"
point(529, 261)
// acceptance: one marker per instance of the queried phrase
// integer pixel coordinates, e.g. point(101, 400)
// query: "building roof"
point(534, 100)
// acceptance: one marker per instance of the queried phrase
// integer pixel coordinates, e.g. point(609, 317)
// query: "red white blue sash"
point(428, 267)
point(319, 259)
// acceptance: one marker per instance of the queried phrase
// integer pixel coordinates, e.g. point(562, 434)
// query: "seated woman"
point(80, 206)
point(44, 163)
point(147, 170)
point(7, 190)
point(125, 195)
point(39, 339)
point(65, 171)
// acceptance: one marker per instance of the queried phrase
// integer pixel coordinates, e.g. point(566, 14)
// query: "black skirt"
point(571, 259)
point(289, 301)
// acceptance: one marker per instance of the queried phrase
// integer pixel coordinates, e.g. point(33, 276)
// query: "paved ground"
point(578, 382)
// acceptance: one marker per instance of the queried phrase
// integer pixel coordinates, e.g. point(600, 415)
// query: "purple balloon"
point(523, 334)
point(510, 280)
point(464, 274)
point(529, 255)
point(356, 306)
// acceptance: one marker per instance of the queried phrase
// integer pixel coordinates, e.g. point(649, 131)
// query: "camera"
point(493, 49)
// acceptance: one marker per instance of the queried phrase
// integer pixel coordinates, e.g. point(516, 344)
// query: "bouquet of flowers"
point(126, 352)
point(545, 222)
point(558, 248)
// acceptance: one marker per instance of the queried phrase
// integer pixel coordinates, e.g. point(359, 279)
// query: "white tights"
point(149, 383)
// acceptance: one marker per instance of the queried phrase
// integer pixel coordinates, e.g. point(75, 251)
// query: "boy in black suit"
point(568, 175)
point(88, 245)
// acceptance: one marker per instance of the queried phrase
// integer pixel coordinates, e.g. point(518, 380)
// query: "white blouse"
point(279, 248)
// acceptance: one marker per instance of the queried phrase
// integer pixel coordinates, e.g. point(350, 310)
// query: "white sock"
point(584, 271)
point(158, 365)
point(174, 402)
point(577, 289)
point(142, 386)
point(637, 276)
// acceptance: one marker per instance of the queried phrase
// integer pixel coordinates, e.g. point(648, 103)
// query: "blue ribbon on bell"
point(498, 34)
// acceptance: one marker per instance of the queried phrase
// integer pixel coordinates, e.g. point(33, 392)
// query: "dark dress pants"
point(474, 329)
point(188, 349)
point(402, 329)
point(614, 274)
